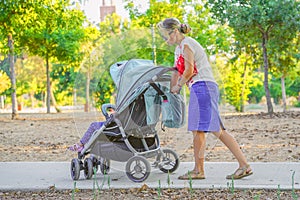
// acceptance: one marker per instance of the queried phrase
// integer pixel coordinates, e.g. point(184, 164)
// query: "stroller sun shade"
point(130, 76)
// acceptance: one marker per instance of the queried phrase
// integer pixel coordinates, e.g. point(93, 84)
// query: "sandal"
point(76, 147)
point(192, 175)
point(240, 173)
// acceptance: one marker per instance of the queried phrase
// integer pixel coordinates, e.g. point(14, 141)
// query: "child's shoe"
point(76, 147)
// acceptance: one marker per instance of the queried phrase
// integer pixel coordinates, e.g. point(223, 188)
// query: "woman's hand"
point(176, 89)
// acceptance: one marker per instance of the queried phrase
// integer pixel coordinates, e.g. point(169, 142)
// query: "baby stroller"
point(129, 134)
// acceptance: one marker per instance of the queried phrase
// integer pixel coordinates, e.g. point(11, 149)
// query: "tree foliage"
point(241, 36)
point(271, 22)
point(4, 82)
point(55, 36)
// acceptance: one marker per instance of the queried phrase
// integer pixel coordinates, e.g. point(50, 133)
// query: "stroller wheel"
point(138, 168)
point(88, 168)
point(75, 168)
point(95, 165)
point(168, 161)
point(104, 165)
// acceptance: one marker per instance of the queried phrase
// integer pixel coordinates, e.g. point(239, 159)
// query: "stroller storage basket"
point(119, 151)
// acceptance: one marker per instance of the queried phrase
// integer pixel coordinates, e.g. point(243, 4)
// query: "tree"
point(55, 36)
point(47, 28)
point(284, 58)
point(260, 21)
point(14, 19)
point(90, 66)
point(238, 79)
point(10, 45)
point(157, 49)
point(31, 77)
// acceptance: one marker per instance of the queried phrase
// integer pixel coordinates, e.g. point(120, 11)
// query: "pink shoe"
point(76, 147)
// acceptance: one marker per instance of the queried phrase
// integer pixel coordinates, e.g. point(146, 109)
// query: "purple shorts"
point(203, 113)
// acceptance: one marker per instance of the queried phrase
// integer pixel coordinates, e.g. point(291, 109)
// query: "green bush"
point(297, 104)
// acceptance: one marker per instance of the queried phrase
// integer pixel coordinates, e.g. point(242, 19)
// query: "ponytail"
point(184, 28)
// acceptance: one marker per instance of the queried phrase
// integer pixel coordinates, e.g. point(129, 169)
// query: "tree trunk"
point(2, 102)
point(31, 96)
point(12, 77)
point(153, 45)
point(87, 92)
point(266, 72)
point(48, 85)
point(244, 75)
point(53, 99)
point(283, 93)
point(74, 97)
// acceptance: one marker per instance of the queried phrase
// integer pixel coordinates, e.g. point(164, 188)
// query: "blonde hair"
point(171, 24)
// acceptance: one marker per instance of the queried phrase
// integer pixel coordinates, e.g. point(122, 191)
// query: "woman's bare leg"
point(233, 146)
point(199, 142)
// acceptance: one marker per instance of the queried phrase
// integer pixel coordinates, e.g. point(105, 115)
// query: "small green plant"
point(108, 181)
point(94, 182)
point(294, 195)
point(232, 185)
point(257, 197)
point(169, 180)
point(104, 178)
point(159, 190)
point(278, 192)
point(74, 189)
point(190, 183)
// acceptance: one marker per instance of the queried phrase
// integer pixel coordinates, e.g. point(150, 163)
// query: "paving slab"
point(44, 175)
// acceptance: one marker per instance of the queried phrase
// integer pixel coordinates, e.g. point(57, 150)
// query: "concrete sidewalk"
point(43, 175)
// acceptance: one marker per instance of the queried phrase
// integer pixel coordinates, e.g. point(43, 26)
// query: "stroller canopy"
point(129, 76)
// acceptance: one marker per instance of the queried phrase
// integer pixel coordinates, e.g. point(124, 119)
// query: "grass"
point(161, 193)
point(190, 184)
point(159, 189)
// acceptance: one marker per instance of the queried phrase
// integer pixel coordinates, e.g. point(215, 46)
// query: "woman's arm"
point(174, 79)
point(188, 71)
point(188, 64)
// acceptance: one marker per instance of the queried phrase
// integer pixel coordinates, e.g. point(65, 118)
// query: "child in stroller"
point(77, 147)
point(87, 135)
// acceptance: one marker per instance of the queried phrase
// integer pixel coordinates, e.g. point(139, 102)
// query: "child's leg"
point(87, 135)
point(92, 128)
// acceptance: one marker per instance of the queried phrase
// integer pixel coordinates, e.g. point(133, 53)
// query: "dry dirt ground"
point(45, 137)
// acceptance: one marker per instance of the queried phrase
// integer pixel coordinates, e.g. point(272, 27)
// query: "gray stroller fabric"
point(136, 96)
point(173, 111)
point(153, 106)
point(128, 74)
point(171, 107)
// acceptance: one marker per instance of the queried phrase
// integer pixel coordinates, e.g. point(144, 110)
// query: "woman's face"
point(171, 37)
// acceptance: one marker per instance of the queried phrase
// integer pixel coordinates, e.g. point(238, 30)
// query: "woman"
point(194, 70)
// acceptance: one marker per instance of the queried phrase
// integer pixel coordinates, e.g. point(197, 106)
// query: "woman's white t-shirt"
point(202, 68)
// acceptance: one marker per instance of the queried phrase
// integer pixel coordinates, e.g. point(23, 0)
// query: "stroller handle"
point(106, 106)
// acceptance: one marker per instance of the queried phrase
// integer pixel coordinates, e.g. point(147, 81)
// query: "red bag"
point(180, 65)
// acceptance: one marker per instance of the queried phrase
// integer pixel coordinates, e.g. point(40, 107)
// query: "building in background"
point(96, 10)
point(108, 7)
